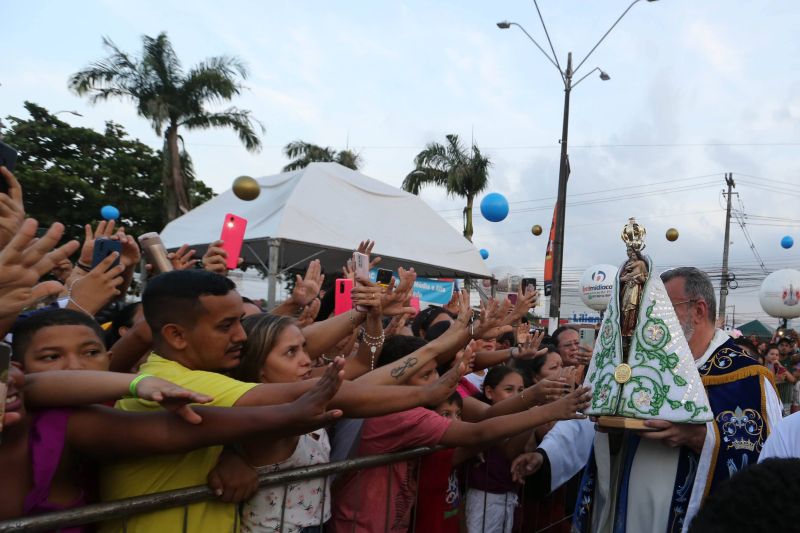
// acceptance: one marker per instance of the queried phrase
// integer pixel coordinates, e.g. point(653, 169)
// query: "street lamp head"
point(604, 76)
point(504, 25)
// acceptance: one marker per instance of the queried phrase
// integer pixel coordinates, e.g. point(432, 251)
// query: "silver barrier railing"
point(121, 509)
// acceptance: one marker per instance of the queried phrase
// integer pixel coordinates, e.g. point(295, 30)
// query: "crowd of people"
point(194, 384)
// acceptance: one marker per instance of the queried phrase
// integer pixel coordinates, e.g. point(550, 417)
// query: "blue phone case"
point(102, 249)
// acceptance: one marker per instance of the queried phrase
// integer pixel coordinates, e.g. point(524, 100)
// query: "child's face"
point(509, 386)
point(449, 410)
point(73, 347)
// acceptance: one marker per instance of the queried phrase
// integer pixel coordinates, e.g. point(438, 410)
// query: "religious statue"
point(633, 276)
point(642, 367)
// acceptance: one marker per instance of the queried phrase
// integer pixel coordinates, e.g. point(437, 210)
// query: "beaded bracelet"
point(135, 382)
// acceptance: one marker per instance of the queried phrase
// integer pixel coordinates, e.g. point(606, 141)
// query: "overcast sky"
point(697, 89)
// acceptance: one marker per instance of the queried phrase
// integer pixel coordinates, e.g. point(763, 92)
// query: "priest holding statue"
point(677, 407)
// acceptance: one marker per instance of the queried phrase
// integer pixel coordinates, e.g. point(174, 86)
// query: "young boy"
point(59, 339)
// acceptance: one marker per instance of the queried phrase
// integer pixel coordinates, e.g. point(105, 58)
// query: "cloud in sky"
point(703, 82)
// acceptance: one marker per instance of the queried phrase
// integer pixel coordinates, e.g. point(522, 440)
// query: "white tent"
point(322, 212)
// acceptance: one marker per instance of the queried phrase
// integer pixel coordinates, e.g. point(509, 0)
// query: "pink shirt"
point(382, 498)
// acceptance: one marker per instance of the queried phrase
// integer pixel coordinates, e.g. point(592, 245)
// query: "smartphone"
point(528, 281)
point(8, 159)
point(103, 248)
point(414, 302)
point(155, 253)
point(361, 268)
point(342, 300)
point(5, 365)
point(233, 238)
point(384, 277)
point(587, 337)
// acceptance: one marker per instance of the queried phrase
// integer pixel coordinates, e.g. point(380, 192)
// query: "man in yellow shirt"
point(195, 318)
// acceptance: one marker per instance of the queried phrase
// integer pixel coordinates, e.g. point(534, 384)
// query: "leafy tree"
point(461, 172)
point(171, 99)
point(69, 173)
point(304, 153)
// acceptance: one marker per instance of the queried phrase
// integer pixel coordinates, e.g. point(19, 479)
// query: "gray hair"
point(697, 287)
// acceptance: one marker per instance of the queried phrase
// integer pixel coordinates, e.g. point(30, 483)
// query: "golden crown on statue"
point(633, 235)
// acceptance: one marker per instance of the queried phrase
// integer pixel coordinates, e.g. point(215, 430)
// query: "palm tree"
point(461, 172)
point(171, 99)
point(304, 153)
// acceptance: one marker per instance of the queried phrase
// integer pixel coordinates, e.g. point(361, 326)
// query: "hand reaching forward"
point(572, 405)
point(530, 348)
point(182, 258)
point(312, 407)
point(12, 210)
point(105, 230)
point(525, 465)
point(493, 320)
point(171, 397)
point(548, 390)
point(96, 289)
point(441, 389)
point(306, 288)
point(309, 314)
point(23, 261)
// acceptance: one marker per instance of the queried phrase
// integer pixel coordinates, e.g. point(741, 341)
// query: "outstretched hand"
point(313, 405)
point(12, 210)
point(171, 397)
point(24, 261)
point(530, 348)
point(525, 465)
point(306, 288)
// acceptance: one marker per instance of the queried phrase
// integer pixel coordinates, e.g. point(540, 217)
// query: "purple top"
point(493, 475)
point(46, 440)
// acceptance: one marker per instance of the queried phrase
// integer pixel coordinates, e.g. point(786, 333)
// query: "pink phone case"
point(233, 236)
point(414, 302)
point(343, 302)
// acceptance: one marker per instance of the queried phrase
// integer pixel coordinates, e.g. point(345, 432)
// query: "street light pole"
point(561, 206)
point(563, 170)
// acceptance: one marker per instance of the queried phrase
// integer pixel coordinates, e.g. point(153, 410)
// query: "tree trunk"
point(468, 218)
point(178, 197)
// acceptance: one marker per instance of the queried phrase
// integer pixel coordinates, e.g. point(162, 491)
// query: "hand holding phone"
point(155, 253)
point(361, 269)
point(343, 300)
point(103, 248)
point(232, 236)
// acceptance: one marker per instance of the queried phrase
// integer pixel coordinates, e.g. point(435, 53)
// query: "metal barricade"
point(120, 509)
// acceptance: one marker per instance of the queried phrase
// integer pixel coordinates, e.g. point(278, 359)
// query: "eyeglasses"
point(675, 304)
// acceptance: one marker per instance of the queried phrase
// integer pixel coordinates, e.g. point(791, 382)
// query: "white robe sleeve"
point(568, 446)
point(784, 437)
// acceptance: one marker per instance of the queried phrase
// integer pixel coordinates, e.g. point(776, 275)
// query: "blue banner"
point(432, 291)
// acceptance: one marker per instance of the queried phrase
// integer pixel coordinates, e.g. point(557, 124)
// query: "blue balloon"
point(787, 242)
point(484, 253)
point(494, 207)
point(109, 212)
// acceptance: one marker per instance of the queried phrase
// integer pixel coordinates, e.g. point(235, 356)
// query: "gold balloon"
point(672, 235)
point(536, 230)
point(246, 188)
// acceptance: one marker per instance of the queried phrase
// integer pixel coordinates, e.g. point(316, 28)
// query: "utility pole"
point(723, 288)
point(561, 207)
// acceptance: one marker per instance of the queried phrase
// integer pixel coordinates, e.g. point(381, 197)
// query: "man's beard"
point(688, 328)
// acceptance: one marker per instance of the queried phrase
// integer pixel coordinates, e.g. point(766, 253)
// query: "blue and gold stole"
point(733, 383)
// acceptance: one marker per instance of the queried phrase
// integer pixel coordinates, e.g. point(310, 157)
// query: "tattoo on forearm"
point(400, 371)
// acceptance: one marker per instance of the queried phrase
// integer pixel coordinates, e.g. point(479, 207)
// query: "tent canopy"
point(322, 212)
point(757, 328)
